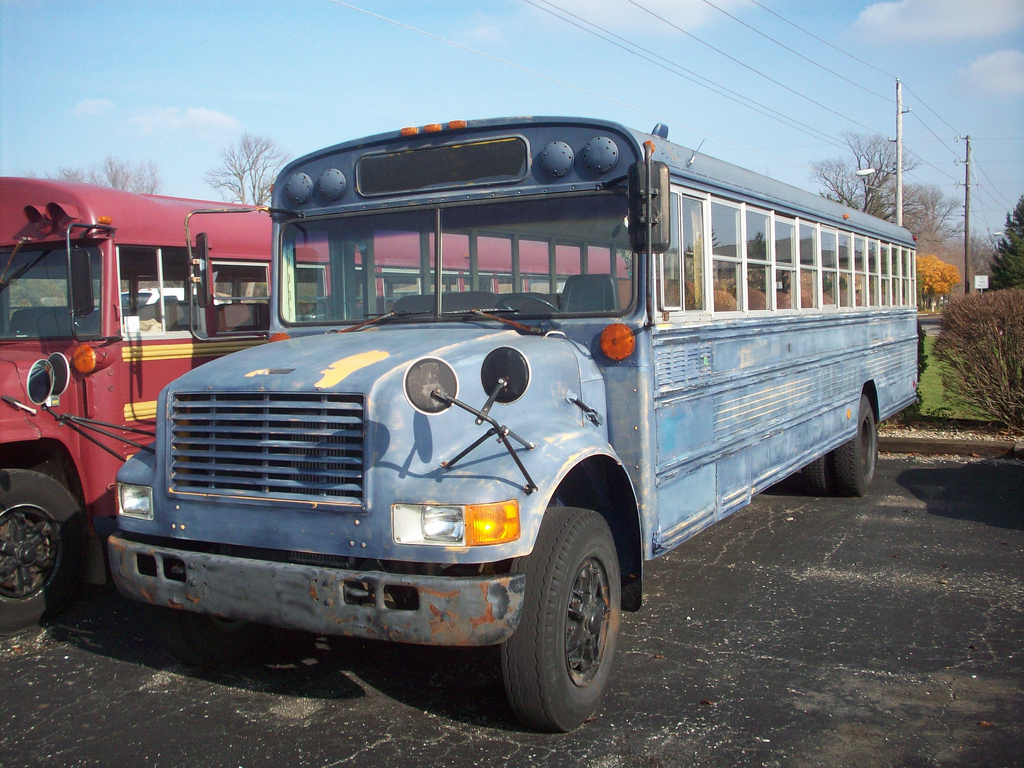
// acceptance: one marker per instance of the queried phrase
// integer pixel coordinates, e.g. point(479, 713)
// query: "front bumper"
point(425, 610)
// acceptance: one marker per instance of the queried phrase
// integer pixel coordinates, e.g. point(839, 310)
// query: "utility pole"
point(899, 153)
point(968, 276)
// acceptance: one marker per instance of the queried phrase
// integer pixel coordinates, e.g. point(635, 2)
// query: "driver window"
point(154, 298)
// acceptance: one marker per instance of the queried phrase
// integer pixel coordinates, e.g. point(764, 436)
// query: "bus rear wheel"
point(854, 461)
point(42, 542)
point(557, 664)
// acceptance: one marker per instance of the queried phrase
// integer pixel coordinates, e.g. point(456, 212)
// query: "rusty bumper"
point(425, 610)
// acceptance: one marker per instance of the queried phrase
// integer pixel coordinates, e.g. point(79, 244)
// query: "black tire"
point(820, 477)
point(42, 544)
point(200, 640)
point(855, 460)
point(557, 664)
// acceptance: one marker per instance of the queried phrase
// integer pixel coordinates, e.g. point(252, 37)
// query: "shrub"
point(981, 347)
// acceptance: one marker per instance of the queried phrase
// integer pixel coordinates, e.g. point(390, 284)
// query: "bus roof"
point(28, 208)
point(704, 172)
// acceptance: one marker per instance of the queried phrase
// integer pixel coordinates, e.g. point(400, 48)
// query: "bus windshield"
point(34, 294)
point(565, 255)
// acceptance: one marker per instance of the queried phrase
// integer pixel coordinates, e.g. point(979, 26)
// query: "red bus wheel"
point(42, 542)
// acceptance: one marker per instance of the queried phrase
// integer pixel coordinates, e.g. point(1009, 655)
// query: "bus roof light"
point(455, 125)
point(433, 128)
point(409, 131)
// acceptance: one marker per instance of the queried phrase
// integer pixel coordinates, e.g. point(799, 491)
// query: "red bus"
point(96, 316)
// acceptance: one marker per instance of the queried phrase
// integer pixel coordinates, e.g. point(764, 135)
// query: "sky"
point(770, 85)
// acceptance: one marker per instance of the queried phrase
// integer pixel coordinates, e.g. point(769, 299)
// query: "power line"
point(679, 70)
point(554, 79)
point(770, 79)
point(796, 53)
point(823, 41)
point(866, 64)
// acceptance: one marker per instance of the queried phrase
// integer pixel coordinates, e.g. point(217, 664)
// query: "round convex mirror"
point(508, 365)
point(426, 376)
point(61, 373)
point(40, 381)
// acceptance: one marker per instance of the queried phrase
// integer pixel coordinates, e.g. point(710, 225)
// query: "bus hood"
point(362, 361)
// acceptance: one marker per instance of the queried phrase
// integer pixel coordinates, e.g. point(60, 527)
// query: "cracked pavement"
point(801, 631)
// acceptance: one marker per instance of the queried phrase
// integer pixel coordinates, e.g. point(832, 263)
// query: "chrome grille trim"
point(268, 445)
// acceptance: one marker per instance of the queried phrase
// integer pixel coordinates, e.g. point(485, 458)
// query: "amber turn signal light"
point(85, 358)
point(618, 341)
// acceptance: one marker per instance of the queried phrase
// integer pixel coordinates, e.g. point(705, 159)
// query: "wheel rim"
point(29, 551)
point(587, 621)
point(867, 449)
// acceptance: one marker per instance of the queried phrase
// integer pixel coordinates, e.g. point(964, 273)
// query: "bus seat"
point(415, 303)
point(451, 302)
point(461, 302)
point(234, 317)
point(588, 293)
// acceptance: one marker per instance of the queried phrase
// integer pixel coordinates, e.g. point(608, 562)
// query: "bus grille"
point(268, 445)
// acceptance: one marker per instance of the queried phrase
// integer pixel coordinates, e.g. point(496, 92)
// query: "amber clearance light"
point(279, 336)
point(618, 341)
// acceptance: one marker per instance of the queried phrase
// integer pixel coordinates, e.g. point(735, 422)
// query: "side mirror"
point(202, 283)
point(81, 283)
point(650, 203)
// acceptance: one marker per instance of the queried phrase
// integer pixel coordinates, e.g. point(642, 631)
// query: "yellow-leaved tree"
point(935, 278)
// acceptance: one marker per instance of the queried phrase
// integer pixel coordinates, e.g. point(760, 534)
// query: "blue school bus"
point(515, 359)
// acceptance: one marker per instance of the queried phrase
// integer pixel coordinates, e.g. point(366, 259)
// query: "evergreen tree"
point(1008, 262)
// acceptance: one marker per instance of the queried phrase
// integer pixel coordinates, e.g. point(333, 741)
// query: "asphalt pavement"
point(801, 631)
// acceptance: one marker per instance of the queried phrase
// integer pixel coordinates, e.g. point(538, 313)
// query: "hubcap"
point(587, 621)
point(29, 550)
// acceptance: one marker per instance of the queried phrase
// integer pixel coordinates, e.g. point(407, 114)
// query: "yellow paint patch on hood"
point(340, 369)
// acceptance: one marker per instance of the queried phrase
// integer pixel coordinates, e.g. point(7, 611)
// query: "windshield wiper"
point(518, 326)
point(377, 319)
point(4, 282)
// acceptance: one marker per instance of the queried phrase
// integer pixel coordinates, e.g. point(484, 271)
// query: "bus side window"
point(241, 302)
point(727, 257)
point(670, 273)
point(693, 255)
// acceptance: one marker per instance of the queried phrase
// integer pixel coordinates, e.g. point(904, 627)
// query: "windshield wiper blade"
point(6, 282)
point(377, 319)
point(518, 326)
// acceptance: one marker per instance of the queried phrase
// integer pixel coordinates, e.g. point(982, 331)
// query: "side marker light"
point(618, 341)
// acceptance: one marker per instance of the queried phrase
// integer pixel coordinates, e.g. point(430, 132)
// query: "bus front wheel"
point(42, 542)
point(854, 461)
point(557, 663)
point(199, 640)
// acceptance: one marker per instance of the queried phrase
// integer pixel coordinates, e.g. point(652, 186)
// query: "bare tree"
point(874, 193)
point(930, 215)
point(247, 170)
point(141, 178)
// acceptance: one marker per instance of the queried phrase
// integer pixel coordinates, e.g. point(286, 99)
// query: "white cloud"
point(87, 108)
point(935, 20)
point(164, 119)
point(1000, 73)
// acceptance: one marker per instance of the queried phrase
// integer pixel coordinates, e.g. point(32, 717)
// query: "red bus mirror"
point(202, 284)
